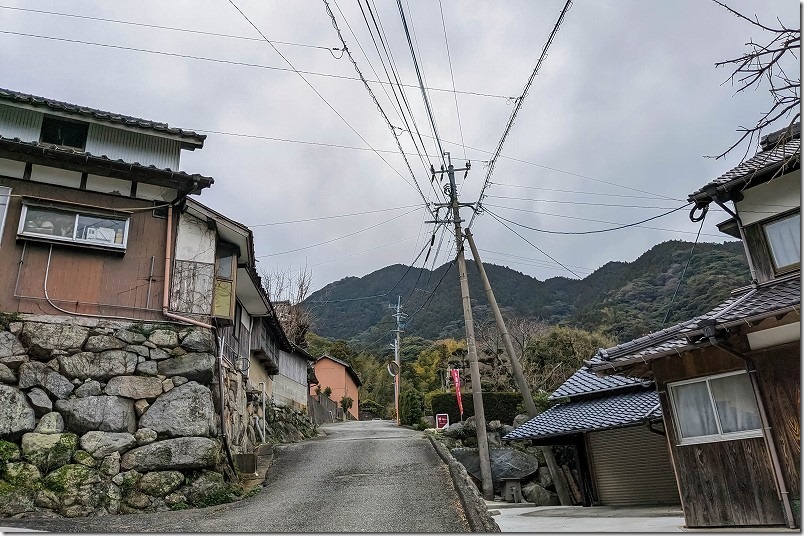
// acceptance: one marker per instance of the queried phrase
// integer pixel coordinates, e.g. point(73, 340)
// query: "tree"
point(410, 407)
point(346, 404)
point(287, 292)
point(768, 63)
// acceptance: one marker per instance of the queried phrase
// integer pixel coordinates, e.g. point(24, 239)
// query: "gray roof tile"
point(586, 382)
point(765, 300)
point(587, 415)
point(100, 115)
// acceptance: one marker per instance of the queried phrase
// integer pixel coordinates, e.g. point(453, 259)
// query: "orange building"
point(341, 378)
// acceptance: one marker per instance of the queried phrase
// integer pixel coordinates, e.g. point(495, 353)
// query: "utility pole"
point(399, 315)
point(519, 376)
point(471, 346)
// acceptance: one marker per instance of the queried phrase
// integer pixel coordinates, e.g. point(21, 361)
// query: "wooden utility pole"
point(519, 376)
point(399, 314)
point(471, 346)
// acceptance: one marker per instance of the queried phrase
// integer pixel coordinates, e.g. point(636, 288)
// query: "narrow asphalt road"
point(360, 477)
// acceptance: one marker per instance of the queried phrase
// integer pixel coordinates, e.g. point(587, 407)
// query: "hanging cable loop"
point(704, 208)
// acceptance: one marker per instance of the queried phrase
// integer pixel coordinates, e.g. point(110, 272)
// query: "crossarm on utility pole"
point(519, 375)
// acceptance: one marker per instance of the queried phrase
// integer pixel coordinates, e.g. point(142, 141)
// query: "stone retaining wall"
point(103, 417)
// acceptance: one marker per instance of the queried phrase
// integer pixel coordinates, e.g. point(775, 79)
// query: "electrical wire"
point(689, 259)
point(517, 107)
point(238, 63)
point(452, 77)
point(377, 104)
point(331, 217)
point(575, 202)
point(340, 237)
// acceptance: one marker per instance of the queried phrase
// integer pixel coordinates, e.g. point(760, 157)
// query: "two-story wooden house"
point(729, 380)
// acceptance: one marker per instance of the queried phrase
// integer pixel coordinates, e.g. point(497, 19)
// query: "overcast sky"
point(622, 112)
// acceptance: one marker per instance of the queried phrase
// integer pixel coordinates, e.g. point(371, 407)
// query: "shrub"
point(410, 407)
point(497, 406)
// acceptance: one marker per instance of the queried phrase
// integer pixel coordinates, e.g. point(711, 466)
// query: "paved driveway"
point(516, 518)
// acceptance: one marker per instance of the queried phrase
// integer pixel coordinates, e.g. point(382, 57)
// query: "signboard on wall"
point(441, 420)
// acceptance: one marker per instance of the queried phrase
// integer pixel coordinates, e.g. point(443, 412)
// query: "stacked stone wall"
point(103, 417)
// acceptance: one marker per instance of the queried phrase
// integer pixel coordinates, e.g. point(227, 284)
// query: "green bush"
point(411, 408)
point(497, 406)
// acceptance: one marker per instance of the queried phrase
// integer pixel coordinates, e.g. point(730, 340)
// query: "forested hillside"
point(622, 300)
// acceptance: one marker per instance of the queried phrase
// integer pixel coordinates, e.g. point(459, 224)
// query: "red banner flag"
point(456, 379)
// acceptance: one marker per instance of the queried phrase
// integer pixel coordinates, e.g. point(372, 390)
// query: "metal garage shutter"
point(632, 467)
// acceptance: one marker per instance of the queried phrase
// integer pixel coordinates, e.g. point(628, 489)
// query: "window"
point(716, 408)
point(68, 225)
point(5, 197)
point(223, 305)
point(65, 133)
point(784, 239)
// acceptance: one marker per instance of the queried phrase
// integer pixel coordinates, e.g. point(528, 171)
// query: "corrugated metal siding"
point(128, 146)
point(19, 123)
point(632, 467)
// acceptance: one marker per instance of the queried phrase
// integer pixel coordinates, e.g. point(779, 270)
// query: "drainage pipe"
point(782, 492)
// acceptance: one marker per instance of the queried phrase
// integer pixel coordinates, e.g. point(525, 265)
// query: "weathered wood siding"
point(79, 279)
point(722, 483)
point(779, 376)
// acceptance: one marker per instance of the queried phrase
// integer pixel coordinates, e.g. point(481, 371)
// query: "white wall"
point(771, 198)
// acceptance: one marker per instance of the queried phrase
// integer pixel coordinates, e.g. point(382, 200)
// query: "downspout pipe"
point(766, 429)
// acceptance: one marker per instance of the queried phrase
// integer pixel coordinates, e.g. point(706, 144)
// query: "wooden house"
point(729, 380)
point(84, 196)
point(613, 424)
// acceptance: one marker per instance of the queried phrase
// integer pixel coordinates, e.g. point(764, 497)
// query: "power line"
point(624, 226)
point(340, 237)
point(574, 202)
point(170, 28)
point(332, 217)
point(575, 191)
point(517, 107)
point(323, 99)
point(238, 63)
point(452, 76)
point(377, 104)
point(680, 279)
point(586, 268)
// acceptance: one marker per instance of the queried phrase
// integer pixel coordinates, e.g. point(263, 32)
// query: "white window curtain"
point(694, 410)
point(784, 237)
point(736, 405)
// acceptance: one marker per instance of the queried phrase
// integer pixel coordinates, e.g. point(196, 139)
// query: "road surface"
point(367, 476)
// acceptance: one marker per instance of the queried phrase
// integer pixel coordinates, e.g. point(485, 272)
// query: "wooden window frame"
point(223, 250)
point(52, 118)
point(5, 200)
point(776, 269)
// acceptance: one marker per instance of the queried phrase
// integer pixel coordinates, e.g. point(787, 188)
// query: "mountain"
point(622, 299)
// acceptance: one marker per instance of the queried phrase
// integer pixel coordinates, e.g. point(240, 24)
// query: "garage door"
point(632, 467)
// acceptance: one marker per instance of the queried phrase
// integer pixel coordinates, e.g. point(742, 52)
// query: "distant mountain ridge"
point(622, 299)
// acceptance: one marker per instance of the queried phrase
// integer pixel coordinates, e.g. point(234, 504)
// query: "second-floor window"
point(784, 241)
point(64, 133)
point(223, 305)
point(73, 226)
point(5, 197)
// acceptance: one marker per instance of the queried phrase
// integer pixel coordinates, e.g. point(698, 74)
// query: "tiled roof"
point(776, 153)
point(585, 382)
point(33, 147)
point(99, 115)
point(604, 413)
point(768, 299)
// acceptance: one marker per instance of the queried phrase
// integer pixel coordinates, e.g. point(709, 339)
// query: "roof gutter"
point(781, 487)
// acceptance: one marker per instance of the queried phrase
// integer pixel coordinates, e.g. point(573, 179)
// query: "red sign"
point(442, 420)
point(456, 379)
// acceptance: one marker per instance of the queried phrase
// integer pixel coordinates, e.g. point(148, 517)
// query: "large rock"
point(71, 478)
point(37, 374)
point(164, 338)
point(196, 366)
point(520, 419)
point(539, 496)
point(505, 463)
point(40, 402)
point(13, 362)
point(134, 387)
point(173, 454)
point(6, 374)
point(42, 338)
point(454, 430)
point(101, 343)
point(101, 366)
point(199, 340)
point(160, 483)
point(50, 423)
point(130, 337)
point(104, 413)
point(49, 451)
point(102, 444)
point(22, 474)
point(186, 410)
point(17, 415)
point(88, 388)
point(205, 484)
point(10, 345)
